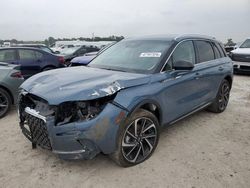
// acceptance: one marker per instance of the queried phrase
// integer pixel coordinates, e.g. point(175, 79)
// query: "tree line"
point(51, 40)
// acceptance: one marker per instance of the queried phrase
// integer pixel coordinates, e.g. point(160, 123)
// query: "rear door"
point(207, 68)
point(31, 61)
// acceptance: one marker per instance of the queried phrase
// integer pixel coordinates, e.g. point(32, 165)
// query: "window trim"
point(196, 55)
point(215, 46)
point(192, 39)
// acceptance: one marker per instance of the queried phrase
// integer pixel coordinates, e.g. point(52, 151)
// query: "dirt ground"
point(204, 150)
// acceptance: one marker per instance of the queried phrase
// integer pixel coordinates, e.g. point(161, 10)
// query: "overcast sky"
point(39, 19)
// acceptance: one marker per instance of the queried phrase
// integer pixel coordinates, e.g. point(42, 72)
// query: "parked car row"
point(70, 53)
point(88, 57)
point(118, 104)
point(241, 58)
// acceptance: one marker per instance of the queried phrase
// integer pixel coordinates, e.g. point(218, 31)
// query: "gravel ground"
point(204, 150)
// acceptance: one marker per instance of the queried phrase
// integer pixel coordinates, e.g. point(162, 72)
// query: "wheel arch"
point(149, 105)
point(229, 79)
point(49, 66)
point(9, 92)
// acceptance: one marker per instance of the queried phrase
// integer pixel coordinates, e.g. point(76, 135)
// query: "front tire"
point(138, 138)
point(222, 98)
point(5, 102)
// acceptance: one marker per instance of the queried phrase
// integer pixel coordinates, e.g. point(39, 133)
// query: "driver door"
point(181, 93)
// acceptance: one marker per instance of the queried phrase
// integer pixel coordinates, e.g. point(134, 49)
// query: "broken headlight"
point(68, 112)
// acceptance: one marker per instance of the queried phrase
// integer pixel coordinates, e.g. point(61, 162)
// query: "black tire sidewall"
point(117, 156)
point(215, 106)
point(5, 94)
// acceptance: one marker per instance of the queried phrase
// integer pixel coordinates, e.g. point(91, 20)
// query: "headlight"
point(80, 110)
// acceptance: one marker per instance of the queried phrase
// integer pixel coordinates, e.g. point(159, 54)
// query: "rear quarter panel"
point(12, 84)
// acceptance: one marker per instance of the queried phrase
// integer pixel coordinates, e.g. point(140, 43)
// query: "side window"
point(39, 55)
point(81, 51)
point(216, 51)
point(205, 51)
point(184, 52)
point(7, 55)
point(221, 50)
point(92, 50)
point(27, 55)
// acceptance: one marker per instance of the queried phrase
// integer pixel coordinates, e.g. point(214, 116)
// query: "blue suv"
point(119, 102)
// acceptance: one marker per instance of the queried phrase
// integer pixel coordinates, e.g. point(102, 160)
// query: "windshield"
point(246, 44)
point(68, 51)
point(132, 56)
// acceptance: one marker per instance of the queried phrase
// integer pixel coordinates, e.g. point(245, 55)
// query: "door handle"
point(197, 75)
point(221, 68)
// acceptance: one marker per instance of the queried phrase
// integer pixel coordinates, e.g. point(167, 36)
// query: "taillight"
point(61, 59)
point(17, 75)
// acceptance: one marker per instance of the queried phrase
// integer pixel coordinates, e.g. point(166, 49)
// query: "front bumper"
point(241, 67)
point(82, 140)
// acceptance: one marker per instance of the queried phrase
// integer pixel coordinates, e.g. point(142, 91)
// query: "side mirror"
point(183, 65)
point(56, 52)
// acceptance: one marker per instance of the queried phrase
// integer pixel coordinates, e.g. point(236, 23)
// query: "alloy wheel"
point(3, 103)
point(224, 96)
point(139, 140)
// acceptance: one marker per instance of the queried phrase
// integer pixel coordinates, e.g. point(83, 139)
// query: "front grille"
point(245, 67)
point(38, 131)
point(33, 127)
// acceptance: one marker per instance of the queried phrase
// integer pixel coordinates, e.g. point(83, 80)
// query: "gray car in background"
point(10, 80)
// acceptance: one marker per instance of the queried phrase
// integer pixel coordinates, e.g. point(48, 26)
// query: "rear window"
point(205, 51)
point(7, 55)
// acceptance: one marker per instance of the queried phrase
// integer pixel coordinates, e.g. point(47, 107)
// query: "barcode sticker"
point(151, 54)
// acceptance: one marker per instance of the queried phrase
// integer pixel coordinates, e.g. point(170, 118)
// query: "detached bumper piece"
point(35, 130)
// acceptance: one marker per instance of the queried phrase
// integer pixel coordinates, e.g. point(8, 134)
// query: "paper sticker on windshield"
point(151, 54)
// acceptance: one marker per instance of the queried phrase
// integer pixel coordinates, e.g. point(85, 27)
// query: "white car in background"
point(241, 57)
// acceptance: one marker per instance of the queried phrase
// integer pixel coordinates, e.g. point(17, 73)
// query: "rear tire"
point(222, 98)
point(5, 102)
point(138, 138)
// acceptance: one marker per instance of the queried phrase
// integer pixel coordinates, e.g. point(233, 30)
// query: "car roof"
point(173, 37)
point(31, 45)
point(21, 47)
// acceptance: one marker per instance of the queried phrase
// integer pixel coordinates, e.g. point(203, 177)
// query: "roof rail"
point(183, 36)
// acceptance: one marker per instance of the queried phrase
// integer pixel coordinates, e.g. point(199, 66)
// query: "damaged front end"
point(74, 129)
point(69, 112)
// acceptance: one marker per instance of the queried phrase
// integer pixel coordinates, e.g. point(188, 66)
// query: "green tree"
point(230, 42)
point(51, 40)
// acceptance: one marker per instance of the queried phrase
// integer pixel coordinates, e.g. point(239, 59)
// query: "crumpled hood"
point(245, 51)
point(80, 83)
